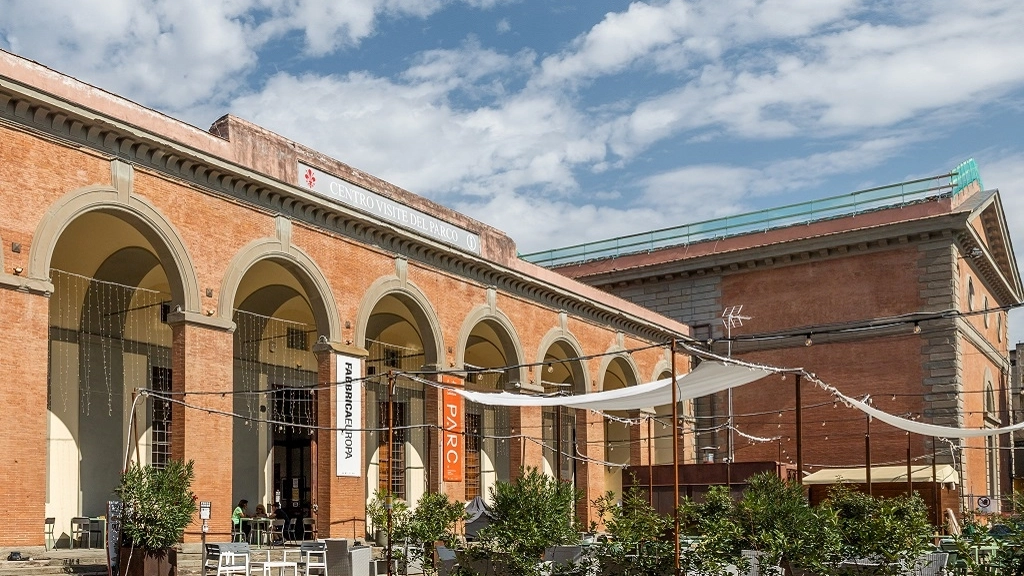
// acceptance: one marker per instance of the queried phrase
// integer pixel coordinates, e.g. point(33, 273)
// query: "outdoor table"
point(258, 527)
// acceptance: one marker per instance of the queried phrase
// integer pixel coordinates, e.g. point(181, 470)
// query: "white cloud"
point(168, 55)
point(504, 26)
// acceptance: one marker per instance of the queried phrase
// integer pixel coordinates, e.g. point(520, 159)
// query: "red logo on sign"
point(310, 178)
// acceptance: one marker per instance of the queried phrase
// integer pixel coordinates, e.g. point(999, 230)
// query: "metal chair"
point(237, 535)
point(49, 541)
point(313, 558)
point(309, 528)
point(228, 559)
point(276, 532)
point(80, 529)
point(291, 530)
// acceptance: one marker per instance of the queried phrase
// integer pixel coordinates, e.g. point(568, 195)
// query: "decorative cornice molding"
point(24, 108)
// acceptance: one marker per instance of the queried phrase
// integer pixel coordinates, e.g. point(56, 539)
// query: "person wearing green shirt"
point(241, 511)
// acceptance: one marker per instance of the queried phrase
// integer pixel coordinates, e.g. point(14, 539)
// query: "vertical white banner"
point(350, 414)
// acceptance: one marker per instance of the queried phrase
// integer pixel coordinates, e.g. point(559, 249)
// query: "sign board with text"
point(349, 440)
point(453, 440)
point(342, 192)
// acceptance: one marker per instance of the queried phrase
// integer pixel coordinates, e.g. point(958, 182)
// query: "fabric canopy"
point(927, 429)
point(709, 377)
point(918, 474)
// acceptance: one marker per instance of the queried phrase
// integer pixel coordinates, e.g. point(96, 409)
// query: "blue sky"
point(563, 122)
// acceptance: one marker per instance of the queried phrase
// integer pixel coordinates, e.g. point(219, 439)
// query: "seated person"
point(241, 511)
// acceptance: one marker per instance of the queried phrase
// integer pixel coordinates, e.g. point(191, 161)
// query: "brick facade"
point(222, 220)
point(809, 282)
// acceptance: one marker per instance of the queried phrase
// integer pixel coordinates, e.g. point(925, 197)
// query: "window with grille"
point(160, 448)
point(392, 462)
point(473, 444)
point(296, 339)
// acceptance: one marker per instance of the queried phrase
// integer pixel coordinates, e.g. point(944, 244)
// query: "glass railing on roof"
point(889, 196)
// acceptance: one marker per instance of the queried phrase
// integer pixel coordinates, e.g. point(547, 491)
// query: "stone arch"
point(554, 336)
point(486, 312)
point(305, 270)
point(613, 353)
point(136, 211)
point(660, 368)
point(417, 302)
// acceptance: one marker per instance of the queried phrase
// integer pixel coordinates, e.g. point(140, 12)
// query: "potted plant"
point(887, 533)
point(377, 514)
point(529, 514)
point(778, 522)
point(157, 505)
point(434, 520)
point(638, 531)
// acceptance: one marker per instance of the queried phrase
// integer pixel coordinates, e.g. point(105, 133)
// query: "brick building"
point(899, 292)
point(243, 276)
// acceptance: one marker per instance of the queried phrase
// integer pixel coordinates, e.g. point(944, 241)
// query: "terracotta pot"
point(138, 562)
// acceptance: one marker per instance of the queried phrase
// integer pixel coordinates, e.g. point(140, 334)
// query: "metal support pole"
point(391, 463)
point(650, 463)
point(675, 456)
point(935, 485)
point(558, 443)
point(799, 433)
point(910, 479)
point(867, 456)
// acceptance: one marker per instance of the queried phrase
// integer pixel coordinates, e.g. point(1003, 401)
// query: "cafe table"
point(259, 528)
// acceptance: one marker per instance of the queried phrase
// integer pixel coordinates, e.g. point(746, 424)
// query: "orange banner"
point(453, 444)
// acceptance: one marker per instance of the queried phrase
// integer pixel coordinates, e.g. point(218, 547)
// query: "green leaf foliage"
point(776, 519)
point(641, 536)
point(157, 504)
point(891, 532)
point(377, 513)
point(718, 535)
point(529, 514)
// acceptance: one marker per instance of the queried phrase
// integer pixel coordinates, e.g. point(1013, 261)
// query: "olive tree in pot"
point(715, 532)
point(529, 514)
point(434, 519)
point(157, 505)
point(887, 533)
point(778, 522)
point(639, 546)
point(377, 514)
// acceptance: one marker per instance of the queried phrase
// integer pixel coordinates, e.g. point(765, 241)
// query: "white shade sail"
point(709, 377)
point(927, 429)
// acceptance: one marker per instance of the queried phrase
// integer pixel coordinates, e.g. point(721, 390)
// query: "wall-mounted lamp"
point(917, 327)
point(18, 270)
point(808, 341)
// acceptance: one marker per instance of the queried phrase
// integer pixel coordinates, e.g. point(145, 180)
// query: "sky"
point(561, 122)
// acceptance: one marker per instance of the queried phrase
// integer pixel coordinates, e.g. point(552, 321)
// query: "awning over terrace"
point(881, 474)
point(709, 377)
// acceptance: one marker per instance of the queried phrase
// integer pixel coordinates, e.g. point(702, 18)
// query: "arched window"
point(990, 402)
point(986, 311)
point(999, 326)
point(970, 295)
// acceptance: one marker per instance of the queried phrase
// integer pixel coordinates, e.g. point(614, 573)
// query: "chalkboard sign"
point(113, 537)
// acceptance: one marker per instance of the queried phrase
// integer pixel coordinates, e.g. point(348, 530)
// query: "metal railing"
point(882, 197)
